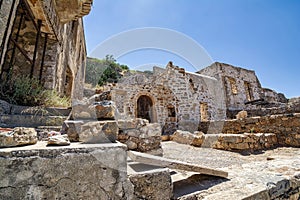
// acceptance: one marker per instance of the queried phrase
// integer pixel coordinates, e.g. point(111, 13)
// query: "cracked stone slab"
point(77, 171)
point(174, 164)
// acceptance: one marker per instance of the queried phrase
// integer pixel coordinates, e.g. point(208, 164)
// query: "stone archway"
point(145, 108)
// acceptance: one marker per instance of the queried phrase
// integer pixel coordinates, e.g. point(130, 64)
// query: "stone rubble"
point(185, 137)
point(59, 140)
point(19, 136)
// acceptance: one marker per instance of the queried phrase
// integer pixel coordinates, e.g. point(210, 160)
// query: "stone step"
point(33, 121)
point(48, 128)
point(51, 111)
point(174, 164)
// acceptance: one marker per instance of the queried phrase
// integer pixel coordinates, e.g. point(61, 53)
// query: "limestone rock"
point(136, 123)
point(152, 185)
point(105, 110)
point(79, 171)
point(242, 114)
point(185, 137)
point(145, 137)
point(131, 145)
point(72, 129)
point(91, 132)
point(60, 140)
point(18, 136)
point(150, 130)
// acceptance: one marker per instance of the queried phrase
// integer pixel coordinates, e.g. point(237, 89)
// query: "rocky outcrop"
point(185, 137)
point(18, 137)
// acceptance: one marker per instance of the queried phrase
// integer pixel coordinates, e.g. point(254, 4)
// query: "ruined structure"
point(44, 39)
point(178, 99)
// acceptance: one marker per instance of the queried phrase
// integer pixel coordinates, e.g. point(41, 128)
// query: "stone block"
point(185, 137)
point(135, 123)
point(78, 171)
point(150, 130)
point(19, 136)
point(59, 140)
point(105, 110)
point(98, 132)
point(72, 129)
point(155, 184)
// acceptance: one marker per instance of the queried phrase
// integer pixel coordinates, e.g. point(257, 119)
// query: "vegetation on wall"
point(100, 72)
point(23, 90)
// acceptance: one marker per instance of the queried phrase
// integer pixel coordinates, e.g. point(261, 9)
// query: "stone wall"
point(7, 7)
point(235, 81)
point(175, 97)
point(286, 127)
point(140, 135)
point(59, 48)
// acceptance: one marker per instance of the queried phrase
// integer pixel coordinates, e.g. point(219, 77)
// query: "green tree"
point(104, 71)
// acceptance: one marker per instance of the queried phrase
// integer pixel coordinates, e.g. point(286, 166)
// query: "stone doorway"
point(145, 108)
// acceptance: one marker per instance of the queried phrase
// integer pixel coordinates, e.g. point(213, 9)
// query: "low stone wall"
point(246, 141)
point(285, 127)
point(140, 135)
point(74, 172)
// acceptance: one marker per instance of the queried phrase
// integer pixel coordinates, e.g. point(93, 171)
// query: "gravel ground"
point(251, 176)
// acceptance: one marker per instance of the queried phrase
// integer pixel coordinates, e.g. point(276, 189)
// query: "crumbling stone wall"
point(43, 41)
point(286, 127)
point(240, 85)
point(242, 88)
point(176, 97)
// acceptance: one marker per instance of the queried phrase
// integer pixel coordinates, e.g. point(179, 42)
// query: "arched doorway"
point(145, 108)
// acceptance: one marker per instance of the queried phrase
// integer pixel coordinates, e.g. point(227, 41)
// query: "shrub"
point(23, 90)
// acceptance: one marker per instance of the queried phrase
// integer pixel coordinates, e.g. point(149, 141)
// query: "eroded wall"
point(37, 44)
point(176, 95)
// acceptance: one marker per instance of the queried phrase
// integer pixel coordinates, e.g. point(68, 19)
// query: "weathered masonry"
point(44, 39)
point(178, 99)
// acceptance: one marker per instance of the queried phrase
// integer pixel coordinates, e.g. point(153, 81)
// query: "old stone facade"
point(178, 99)
point(44, 39)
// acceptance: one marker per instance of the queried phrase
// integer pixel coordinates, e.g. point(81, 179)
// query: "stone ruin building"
point(44, 39)
point(177, 99)
point(102, 148)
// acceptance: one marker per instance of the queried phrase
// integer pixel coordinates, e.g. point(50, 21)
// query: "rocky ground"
point(271, 174)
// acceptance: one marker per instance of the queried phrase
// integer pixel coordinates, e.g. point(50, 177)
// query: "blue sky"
point(262, 35)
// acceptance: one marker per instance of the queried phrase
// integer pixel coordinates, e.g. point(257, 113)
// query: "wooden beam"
point(174, 164)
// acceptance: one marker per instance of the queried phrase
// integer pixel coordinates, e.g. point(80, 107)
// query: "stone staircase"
point(42, 119)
